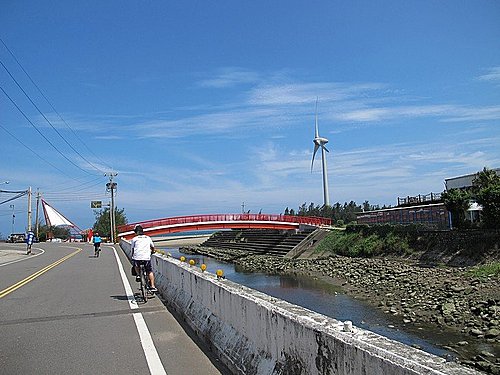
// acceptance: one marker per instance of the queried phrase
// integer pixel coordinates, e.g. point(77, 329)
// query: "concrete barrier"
point(253, 333)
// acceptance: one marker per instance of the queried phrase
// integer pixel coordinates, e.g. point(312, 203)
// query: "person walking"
point(142, 247)
point(30, 237)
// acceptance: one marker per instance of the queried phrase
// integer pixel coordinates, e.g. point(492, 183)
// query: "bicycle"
point(144, 282)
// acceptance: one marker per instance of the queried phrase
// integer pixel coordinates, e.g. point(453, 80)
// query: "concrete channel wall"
point(254, 333)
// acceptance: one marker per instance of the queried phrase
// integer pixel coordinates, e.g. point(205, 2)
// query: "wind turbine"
point(321, 142)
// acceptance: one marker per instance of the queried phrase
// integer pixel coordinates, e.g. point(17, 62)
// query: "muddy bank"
point(444, 297)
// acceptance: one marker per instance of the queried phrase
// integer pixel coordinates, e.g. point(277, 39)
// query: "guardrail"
point(419, 199)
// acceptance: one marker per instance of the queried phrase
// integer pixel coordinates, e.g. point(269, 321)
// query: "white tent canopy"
point(54, 218)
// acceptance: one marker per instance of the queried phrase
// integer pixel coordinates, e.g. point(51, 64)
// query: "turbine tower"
point(321, 142)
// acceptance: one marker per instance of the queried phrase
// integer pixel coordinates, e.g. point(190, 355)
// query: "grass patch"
point(486, 270)
point(359, 245)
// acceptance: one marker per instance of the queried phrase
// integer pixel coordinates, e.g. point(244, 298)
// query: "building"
point(433, 214)
point(464, 181)
point(426, 209)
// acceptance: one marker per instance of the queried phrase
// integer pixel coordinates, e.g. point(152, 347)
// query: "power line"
point(53, 108)
point(52, 165)
point(48, 101)
point(19, 195)
point(73, 188)
point(39, 132)
point(46, 119)
point(33, 151)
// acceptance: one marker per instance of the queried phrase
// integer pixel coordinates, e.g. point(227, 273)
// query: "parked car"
point(17, 237)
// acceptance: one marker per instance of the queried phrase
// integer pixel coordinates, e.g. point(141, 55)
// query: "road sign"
point(95, 204)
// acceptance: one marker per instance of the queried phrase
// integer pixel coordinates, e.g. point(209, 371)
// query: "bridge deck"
point(221, 221)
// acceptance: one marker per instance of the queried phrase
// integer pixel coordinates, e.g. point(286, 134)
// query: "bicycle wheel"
point(144, 283)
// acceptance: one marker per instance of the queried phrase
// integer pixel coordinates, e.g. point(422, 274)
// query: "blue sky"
point(200, 106)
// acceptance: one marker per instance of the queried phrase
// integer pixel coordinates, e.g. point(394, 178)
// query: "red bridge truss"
point(221, 221)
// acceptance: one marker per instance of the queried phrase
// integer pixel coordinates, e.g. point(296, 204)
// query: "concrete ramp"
point(306, 249)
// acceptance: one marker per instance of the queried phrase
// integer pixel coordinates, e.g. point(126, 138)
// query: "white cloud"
point(492, 75)
point(229, 77)
point(272, 171)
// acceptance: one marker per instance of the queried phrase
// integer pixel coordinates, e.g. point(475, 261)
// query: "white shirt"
point(141, 247)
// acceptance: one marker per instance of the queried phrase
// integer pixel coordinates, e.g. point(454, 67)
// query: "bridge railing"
point(308, 220)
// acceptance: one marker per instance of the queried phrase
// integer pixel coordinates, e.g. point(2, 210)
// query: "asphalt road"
point(63, 311)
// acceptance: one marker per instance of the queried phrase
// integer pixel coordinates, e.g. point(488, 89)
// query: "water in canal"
point(320, 296)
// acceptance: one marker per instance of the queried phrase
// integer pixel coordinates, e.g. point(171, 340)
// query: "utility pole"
point(36, 215)
point(243, 207)
point(13, 217)
point(29, 209)
point(111, 186)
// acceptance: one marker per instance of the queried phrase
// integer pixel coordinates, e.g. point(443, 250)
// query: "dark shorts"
point(147, 264)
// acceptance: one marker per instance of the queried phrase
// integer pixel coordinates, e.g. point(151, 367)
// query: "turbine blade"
point(314, 153)
point(325, 148)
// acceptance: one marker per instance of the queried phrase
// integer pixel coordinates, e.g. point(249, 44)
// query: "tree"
point(55, 232)
point(457, 202)
point(486, 191)
point(484, 179)
point(102, 222)
point(366, 206)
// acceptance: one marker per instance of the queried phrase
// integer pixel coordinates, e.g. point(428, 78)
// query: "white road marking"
point(26, 258)
point(152, 357)
point(128, 289)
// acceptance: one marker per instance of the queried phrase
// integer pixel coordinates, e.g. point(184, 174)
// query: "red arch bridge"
point(221, 221)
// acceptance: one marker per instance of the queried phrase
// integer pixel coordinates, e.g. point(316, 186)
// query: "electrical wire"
point(73, 188)
point(48, 101)
point(39, 132)
point(47, 120)
point(33, 151)
point(21, 194)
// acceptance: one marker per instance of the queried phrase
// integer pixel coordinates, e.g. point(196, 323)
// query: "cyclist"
point(142, 247)
point(96, 239)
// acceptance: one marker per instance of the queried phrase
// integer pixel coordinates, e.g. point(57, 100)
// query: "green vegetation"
point(353, 244)
point(339, 213)
point(486, 270)
point(46, 232)
point(485, 190)
point(457, 202)
point(102, 222)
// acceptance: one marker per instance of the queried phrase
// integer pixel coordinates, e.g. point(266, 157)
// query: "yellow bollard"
point(203, 267)
point(220, 274)
point(182, 258)
point(191, 262)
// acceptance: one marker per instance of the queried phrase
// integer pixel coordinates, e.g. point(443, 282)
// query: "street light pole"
point(29, 209)
point(37, 204)
point(13, 217)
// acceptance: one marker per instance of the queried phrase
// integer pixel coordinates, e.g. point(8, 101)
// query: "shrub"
point(359, 245)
